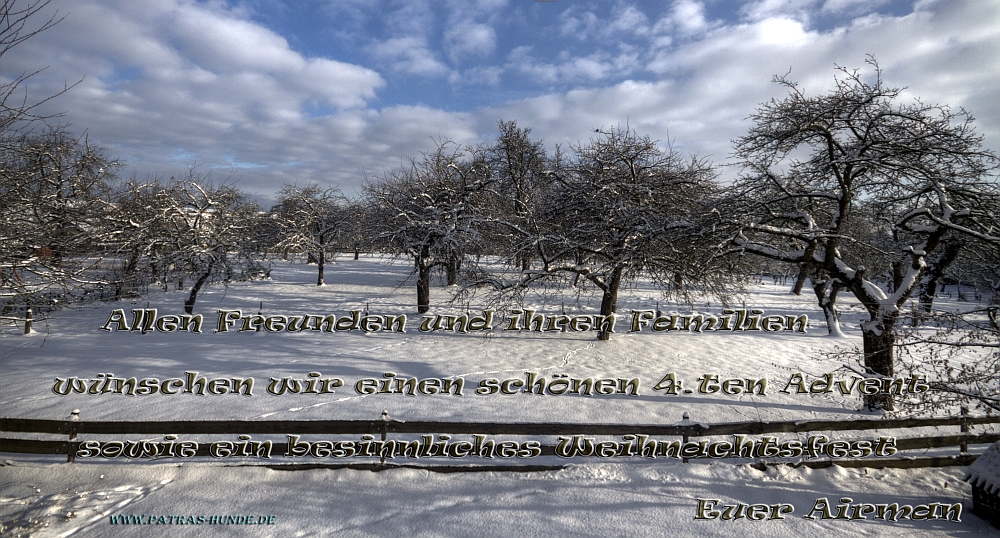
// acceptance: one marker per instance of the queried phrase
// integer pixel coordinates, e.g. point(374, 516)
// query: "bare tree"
point(518, 164)
point(137, 219)
point(431, 210)
point(54, 208)
point(358, 234)
point(312, 221)
point(191, 228)
point(622, 207)
point(811, 162)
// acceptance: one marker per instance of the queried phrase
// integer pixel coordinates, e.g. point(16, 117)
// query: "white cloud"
point(625, 23)
point(407, 17)
point(164, 78)
point(480, 75)
point(759, 10)
point(780, 32)
point(412, 28)
point(198, 50)
point(163, 94)
point(574, 22)
point(687, 17)
point(409, 55)
point(571, 69)
point(626, 20)
point(852, 6)
point(947, 52)
point(470, 39)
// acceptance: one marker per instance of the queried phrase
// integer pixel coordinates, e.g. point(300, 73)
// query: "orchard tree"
point(810, 163)
point(518, 165)
point(54, 209)
point(620, 208)
point(56, 194)
point(209, 231)
point(139, 222)
point(312, 221)
point(191, 229)
point(431, 211)
point(358, 233)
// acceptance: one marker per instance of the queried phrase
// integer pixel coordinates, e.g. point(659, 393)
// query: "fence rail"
point(348, 427)
point(686, 430)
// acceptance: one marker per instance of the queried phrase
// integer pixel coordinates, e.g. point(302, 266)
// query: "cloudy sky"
point(269, 92)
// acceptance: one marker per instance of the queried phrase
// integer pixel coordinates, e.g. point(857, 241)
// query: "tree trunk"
point(609, 301)
point(935, 274)
point(926, 294)
point(826, 293)
point(898, 268)
point(320, 264)
point(579, 261)
point(357, 251)
point(453, 266)
point(128, 273)
point(423, 282)
point(879, 338)
point(189, 303)
point(800, 281)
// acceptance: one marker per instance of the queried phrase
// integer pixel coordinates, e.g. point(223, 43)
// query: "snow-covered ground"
point(634, 497)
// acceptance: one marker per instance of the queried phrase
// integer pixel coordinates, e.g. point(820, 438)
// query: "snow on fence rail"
point(686, 430)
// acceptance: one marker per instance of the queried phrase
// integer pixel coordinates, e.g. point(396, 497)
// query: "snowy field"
point(40, 496)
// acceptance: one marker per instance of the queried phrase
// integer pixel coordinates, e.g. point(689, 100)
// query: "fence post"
point(70, 453)
point(964, 428)
point(685, 421)
point(383, 427)
point(27, 321)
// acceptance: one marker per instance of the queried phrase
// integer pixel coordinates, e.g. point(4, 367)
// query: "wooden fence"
point(384, 426)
